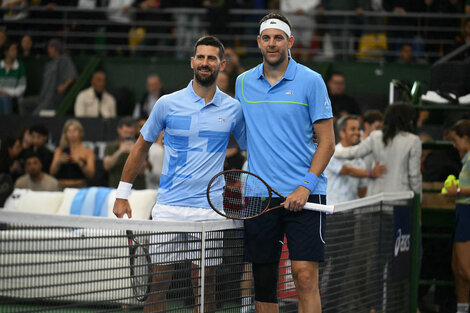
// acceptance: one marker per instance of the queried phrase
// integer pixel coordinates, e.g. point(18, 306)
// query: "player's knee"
point(265, 278)
point(304, 281)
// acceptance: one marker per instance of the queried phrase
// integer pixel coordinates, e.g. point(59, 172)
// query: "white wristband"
point(123, 190)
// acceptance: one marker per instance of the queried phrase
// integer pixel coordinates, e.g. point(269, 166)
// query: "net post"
point(203, 268)
point(415, 244)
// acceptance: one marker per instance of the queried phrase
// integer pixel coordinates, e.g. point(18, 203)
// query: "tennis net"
point(51, 263)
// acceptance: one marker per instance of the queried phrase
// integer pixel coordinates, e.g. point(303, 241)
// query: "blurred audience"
point(223, 82)
point(233, 68)
point(405, 55)
point(396, 147)
point(95, 101)
point(12, 79)
point(73, 162)
point(341, 103)
point(372, 120)
point(25, 138)
point(116, 154)
point(35, 178)
point(346, 177)
point(462, 39)
point(155, 158)
point(59, 74)
point(26, 47)
point(39, 137)
point(143, 108)
point(9, 163)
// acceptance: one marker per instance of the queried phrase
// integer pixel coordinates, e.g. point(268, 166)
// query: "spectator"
point(26, 47)
point(9, 163)
point(345, 178)
point(143, 108)
point(342, 37)
point(372, 120)
point(406, 54)
point(462, 39)
point(39, 137)
point(233, 68)
point(12, 79)
point(154, 171)
point(35, 178)
point(25, 138)
point(460, 134)
point(120, 13)
point(396, 147)
point(439, 163)
point(73, 163)
point(298, 13)
point(223, 82)
point(95, 101)
point(3, 37)
point(59, 74)
point(342, 103)
point(116, 154)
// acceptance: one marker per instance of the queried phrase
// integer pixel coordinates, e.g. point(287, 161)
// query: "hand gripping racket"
point(242, 195)
point(140, 266)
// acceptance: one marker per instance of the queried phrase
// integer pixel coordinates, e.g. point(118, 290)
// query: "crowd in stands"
point(136, 27)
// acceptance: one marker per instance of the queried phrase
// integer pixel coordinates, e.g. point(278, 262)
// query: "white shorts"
point(170, 248)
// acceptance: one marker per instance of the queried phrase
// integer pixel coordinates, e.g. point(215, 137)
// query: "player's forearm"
point(354, 171)
point(135, 160)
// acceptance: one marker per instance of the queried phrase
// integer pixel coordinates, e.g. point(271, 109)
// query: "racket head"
point(238, 194)
point(140, 268)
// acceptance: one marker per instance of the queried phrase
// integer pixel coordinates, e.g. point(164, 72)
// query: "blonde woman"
point(73, 163)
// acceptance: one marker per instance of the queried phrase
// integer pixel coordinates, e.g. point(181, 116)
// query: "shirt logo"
point(221, 120)
point(290, 92)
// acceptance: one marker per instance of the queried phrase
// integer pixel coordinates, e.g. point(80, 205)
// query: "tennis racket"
point(140, 266)
point(242, 195)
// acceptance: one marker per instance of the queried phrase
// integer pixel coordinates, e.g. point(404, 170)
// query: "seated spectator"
point(59, 74)
point(35, 178)
point(26, 47)
point(95, 101)
point(341, 103)
point(9, 163)
point(12, 79)
point(116, 154)
point(39, 136)
point(406, 54)
point(372, 120)
point(73, 163)
point(143, 108)
point(25, 138)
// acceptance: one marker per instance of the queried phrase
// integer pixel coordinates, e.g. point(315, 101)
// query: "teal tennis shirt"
point(279, 124)
point(196, 138)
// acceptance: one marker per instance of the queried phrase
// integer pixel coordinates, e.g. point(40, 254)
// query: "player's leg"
point(461, 269)
point(156, 302)
point(305, 275)
point(305, 233)
point(209, 288)
point(262, 246)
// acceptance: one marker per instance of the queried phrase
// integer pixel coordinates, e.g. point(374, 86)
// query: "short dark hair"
point(210, 41)
point(40, 129)
point(344, 120)
point(461, 128)
point(372, 116)
point(32, 154)
point(6, 47)
point(127, 121)
point(276, 16)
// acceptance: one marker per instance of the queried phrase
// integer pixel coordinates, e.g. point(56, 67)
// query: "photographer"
point(116, 154)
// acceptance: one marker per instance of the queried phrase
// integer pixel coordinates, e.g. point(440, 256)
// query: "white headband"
point(275, 23)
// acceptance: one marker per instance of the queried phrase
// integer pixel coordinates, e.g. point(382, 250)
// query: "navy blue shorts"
point(462, 220)
point(304, 230)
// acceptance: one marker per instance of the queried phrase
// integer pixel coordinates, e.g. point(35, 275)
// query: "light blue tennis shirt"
point(279, 123)
point(196, 138)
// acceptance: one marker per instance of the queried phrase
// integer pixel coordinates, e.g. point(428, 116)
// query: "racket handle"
point(329, 209)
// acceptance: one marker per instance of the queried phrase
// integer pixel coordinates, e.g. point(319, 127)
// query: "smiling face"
point(206, 65)
point(274, 45)
point(351, 134)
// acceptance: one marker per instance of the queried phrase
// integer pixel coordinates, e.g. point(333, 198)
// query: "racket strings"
point(244, 195)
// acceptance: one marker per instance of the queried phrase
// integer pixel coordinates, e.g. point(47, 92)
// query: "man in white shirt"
point(95, 101)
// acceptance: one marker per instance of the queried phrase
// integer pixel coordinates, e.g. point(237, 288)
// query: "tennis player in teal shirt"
point(285, 104)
